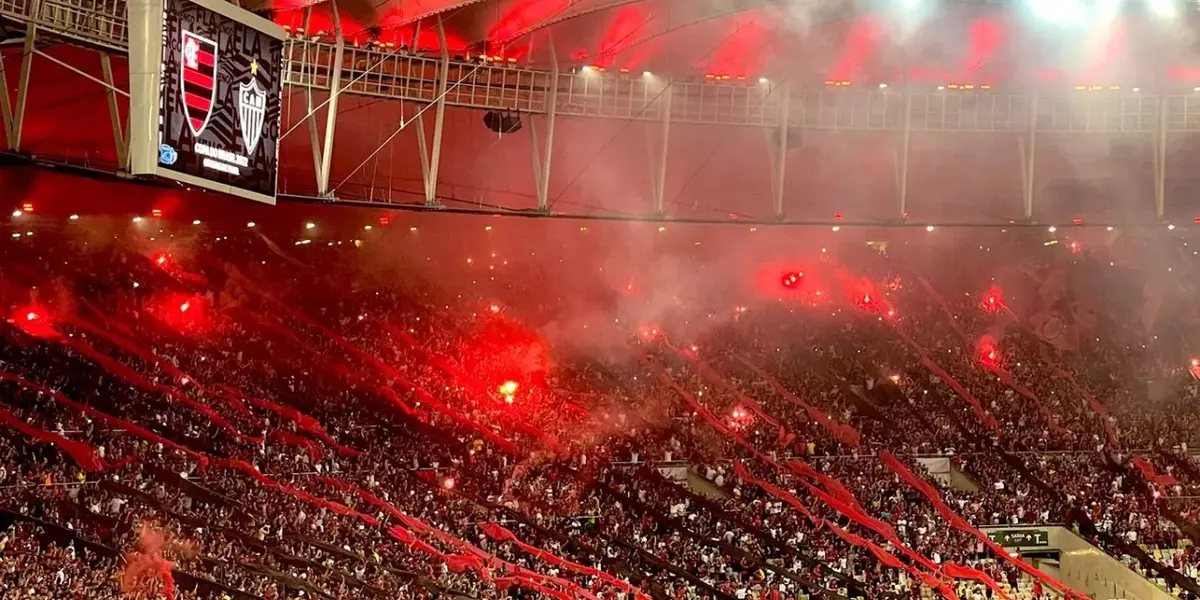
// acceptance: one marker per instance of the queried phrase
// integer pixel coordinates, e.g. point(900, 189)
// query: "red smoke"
point(147, 570)
point(506, 352)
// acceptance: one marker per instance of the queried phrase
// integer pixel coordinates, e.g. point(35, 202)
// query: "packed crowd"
point(240, 421)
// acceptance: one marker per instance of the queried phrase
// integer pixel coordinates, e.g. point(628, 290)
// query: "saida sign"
point(1013, 538)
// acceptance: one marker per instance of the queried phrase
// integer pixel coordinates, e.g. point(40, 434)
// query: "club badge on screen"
point(197, 79)
point(222, 123)
point(252, 108)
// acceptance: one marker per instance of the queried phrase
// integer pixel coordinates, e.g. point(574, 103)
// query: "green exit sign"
point(1020, 537)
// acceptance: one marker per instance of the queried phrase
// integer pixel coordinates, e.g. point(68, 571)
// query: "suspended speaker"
point(502, 122)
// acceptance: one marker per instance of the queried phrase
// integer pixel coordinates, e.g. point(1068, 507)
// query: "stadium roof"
point(1099, 42)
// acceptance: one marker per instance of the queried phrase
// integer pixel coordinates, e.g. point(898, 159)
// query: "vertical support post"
point(114, 112)
point(659, 174)
point(541, 156)
point(335, 89)
point(779, 160)
point(1160, 159)
point(1028, 148)
point(309, 68)
point(6, 116)
point(900, 159)
point(14, 120)
point(435, 157)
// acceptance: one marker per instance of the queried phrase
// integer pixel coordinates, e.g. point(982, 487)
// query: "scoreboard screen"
point(206, 95)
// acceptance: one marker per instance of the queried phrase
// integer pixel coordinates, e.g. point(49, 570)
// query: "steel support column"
point(659, 174)
point(435, 156)
point(14, 114)
point(900, 155)
point(1027, 144)
point(430, 161)
point(542, 153)
point(314, 138)
point(1160, 159)
point(114, 112)
point(6, 116)
point(335, 90)
point(780, 151)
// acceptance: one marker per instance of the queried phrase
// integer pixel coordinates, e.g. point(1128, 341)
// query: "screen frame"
point(145, 101)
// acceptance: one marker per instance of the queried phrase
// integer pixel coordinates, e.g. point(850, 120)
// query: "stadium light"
point(251, 225)
point(17, 213)
point(310, 225)
point(74, 217)
point(1056, 12)
point(1165, 9)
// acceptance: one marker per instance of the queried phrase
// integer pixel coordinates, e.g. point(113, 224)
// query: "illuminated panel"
point(206, 94)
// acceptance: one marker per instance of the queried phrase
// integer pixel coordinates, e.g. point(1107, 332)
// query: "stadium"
point(599, 300)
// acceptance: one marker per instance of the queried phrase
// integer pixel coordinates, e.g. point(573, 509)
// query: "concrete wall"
point(944, 471)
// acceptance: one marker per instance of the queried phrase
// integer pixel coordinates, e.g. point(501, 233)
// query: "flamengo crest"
point(197, 79)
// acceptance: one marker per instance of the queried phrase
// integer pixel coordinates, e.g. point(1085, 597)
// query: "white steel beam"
point(1028, 147)
point(314, 137)
point(1160, 160)
point(335, 89)
point(779, 152)
point(542, 151)
point(659, 173)
point(900, 155)
point(114, 112)
point(14, 114)
point(6, 116)
point(435, 155)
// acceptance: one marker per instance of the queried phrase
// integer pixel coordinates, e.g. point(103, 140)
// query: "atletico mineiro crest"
point(197, 79)
point(252, 109)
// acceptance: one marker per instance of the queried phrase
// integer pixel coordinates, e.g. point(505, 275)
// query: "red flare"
point(993, 301)
point(648, 332)
point(34, 321)
point(988, 354)
point(508, 388)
